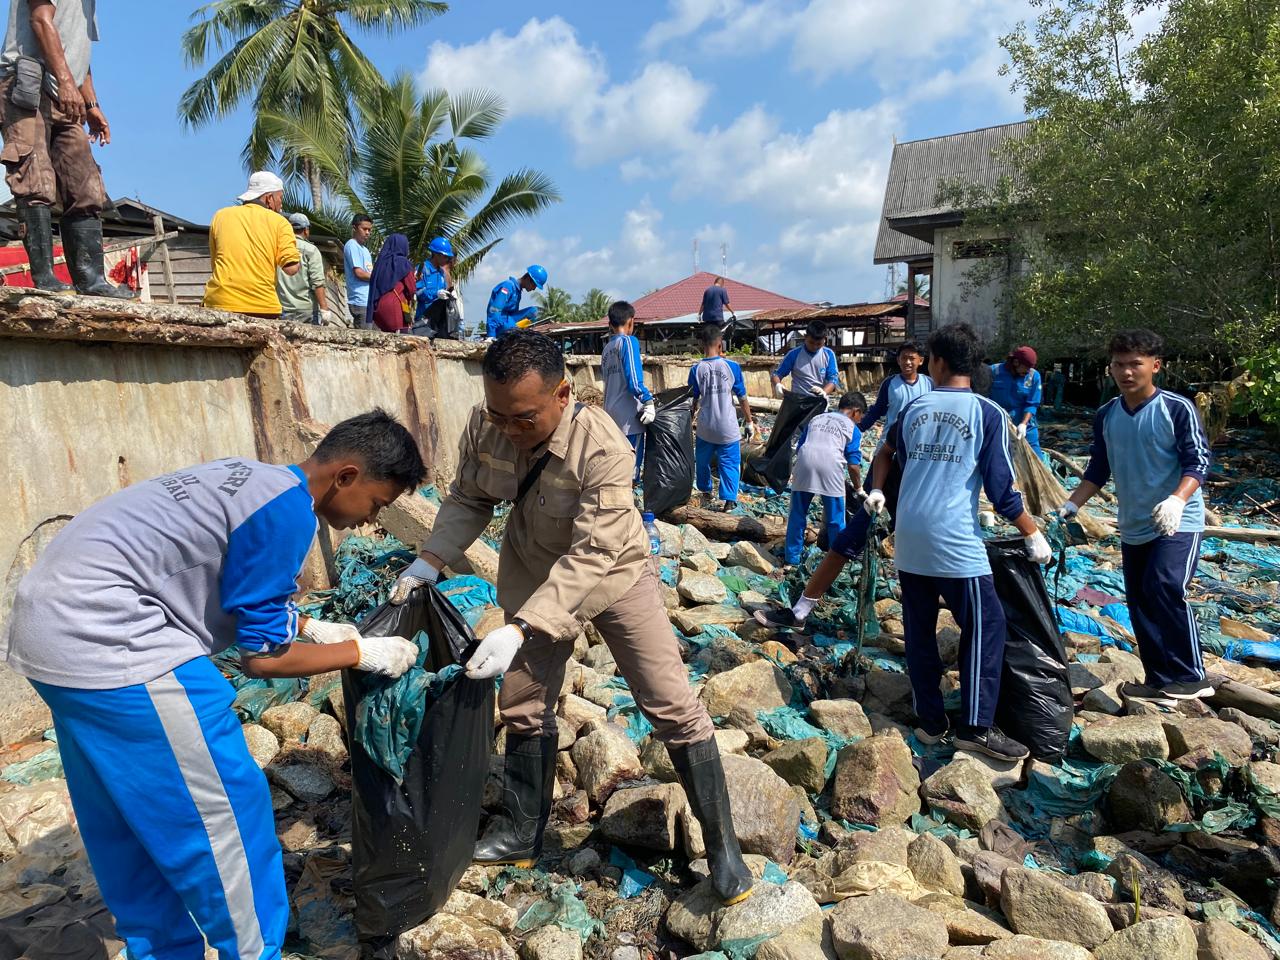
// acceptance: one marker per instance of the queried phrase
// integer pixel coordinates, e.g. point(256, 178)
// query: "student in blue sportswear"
point(114, 626)
point(626, 399)
point(504, 311)
point(1016, 386)
point(1151, 442)
point(948, 444)
point(811, 366)
point(829, 445)
point(715, 382)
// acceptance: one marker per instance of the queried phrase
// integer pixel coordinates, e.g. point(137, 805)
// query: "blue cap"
point(647, 517)
point(538, 275)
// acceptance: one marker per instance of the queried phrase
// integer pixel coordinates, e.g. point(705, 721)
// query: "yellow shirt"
point(246, 245)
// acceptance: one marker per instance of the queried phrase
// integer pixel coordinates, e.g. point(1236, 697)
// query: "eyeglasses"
point(523, 424)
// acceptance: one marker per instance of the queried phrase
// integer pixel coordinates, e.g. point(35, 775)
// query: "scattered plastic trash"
point(563, 909)
point(634, 880)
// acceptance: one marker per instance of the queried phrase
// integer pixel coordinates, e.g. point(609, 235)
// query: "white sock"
point(803, 607)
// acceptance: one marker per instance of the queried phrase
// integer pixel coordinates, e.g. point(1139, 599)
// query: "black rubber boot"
point(702, 776)
point(82, 241)
point(38, 239)
point(514, 834)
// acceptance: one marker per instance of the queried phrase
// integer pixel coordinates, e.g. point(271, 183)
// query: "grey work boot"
point(702, 776)
point(82, 241)
point(37, 237)
point(514, 834)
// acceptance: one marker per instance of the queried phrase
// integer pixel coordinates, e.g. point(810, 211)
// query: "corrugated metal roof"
point(918, 168)
point(685, 296)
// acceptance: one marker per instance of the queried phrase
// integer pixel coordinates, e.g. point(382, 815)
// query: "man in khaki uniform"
point(575, 550)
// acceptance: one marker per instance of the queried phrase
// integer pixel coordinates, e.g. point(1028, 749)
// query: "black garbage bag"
point(411, 841)
point(773, 467)
point(668, 452)
point(1035, 690)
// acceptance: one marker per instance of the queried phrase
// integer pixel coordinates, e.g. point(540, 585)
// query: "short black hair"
point(521, 352)
point(620, 312)
point(957, 346)
point(853, 400)
point(382, 442)
point(816, 328)
point(909, 347)
point(709, 334)
point(360, 218)
point(1145, 343)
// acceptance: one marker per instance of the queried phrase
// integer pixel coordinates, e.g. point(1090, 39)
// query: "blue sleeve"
point(1189, 436)
point(853, 450)
point(995, 464)
point(789, 361)
point(498, 301)
point(739, 387)
point(260, 573)
point(894, 440)
point(633, 370)
point(1036, 395)
point(879, 408)
point(1098, 472)
point(833, 371)
point(693, 381)
point(348, 261)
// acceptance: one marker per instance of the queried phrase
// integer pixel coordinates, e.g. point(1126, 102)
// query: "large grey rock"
point(657, 761)
point(744, 553)
point(934, 865)
point(875, 782)
point(789, 945)
point(766, 814)
point(1126, 738)
point(304, 781)
point(289, 721)
point(889, 692)
point(1260, 731)
point(961, 791)
point(693, 539)
point(325, 735)
point(699, 918)
point(801, 763)
point(1001, 774)
point(865, 862)
point(605, 758)
point(754, 686)
point(701, 587)
point(644, 816)
point(446, 936)
point(1168, 938)
point(701, 562)
point(844, 718)
point(884, 926)
point(1036, 948)
point(552, 943)
point(967, 923)
point(1041, 907)
point(693, 619)
point(1222, 940)
point(1205, 736)
point(1158, 888)
point(262, 743)
point(493, 913)
point(672, 538)
point(1143, 797)
point(576, 712)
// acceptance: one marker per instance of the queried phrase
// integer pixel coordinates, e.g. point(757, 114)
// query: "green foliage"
point(1149, 175)
point(556, 304)
point(1263, 385)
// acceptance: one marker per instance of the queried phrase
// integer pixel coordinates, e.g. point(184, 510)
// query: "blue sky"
point(764, 125)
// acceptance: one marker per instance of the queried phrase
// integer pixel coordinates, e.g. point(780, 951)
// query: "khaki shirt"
point(575, 544)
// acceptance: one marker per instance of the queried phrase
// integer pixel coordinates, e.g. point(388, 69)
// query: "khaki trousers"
point(639, 635)
point(47, 158)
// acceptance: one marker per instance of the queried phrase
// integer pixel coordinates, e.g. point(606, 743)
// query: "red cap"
point(1025, 354)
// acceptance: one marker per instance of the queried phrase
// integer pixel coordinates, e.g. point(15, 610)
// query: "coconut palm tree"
point(288, 56)
point(594, 305)
point(412, 171)
point(556, 305)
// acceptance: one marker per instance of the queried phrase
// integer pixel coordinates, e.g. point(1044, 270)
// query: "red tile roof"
point(685, 297)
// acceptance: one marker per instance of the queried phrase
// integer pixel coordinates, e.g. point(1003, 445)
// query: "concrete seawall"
point(96, 395)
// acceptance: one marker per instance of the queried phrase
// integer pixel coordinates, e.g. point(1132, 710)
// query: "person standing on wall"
point(715, 382)
point(811, 366)
point(303, 297)
point(357, 265)
point(574, 551)
point(392, 286)
point(114, 626)
point(1015, 385)
point(714, 301)
point(626, 398)
point(248, 244)
point(47, 98)
point(438, 309)
point(1152, 443)
point(504, 311)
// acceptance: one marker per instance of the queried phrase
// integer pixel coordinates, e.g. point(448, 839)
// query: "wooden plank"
point(124, 244)
point(164, 256)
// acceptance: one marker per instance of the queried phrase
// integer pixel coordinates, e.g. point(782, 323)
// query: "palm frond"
point(519, 196)
point(390, 15)
point(476, 114)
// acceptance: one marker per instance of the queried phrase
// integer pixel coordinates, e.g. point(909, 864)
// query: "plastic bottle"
point(655, 538)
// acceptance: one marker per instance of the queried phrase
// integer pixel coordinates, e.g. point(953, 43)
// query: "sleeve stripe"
point(996, 410)
point(1198, 440)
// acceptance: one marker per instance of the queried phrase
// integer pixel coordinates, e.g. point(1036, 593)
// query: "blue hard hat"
point(441, 245)
point(538, 275)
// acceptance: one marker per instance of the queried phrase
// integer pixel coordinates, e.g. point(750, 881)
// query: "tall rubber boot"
point(702, 776)
point(82, 241)
point(514, 833)
point(38, 239)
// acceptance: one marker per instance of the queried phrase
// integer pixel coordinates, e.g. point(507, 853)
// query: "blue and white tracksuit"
point(624, 391)
point(949, 444)
point(808, 370)
point(1162, 441)
point(504, 308)
point(715, 382)
point(431, 280)
point(114, 625)
point(829, 444)
point(1019, 396)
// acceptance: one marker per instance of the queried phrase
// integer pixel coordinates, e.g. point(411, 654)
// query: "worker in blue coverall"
point(114, 626)
point(1015, 385)
point(504, 303)
point(435, 280)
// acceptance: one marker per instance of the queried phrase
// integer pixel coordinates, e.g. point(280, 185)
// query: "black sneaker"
point(730, 506)
point(1145, 694)
point(930, 737)
point(783, 619)
point(993, 743)
point(1192, 690)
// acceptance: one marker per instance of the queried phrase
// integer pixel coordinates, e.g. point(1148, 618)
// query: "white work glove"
point(327, 319)
point(777, 390)
point(495, 653)
point(1038, 548)
point(818, 391)
point(1066, 511)
point(444, 294)
point(1167, 516)
point(753, 432)
point(320, 631)
point(1021, 431)
point(874, 504)
point(387, 656)
point(647, 413)
point(418, 573)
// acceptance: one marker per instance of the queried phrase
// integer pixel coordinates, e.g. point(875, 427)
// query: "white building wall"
point(967, 289)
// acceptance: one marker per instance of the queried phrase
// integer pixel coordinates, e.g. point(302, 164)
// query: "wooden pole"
point(163, 244)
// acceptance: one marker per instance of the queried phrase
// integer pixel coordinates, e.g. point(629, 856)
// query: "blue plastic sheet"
point(788, 723)
point(634, 880)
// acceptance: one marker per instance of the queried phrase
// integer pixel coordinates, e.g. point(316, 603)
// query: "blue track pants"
point(1156, 577)
point(175, 816)
point(832, 517)
point(853, 538)
point(728, 457)
point(974, 604)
